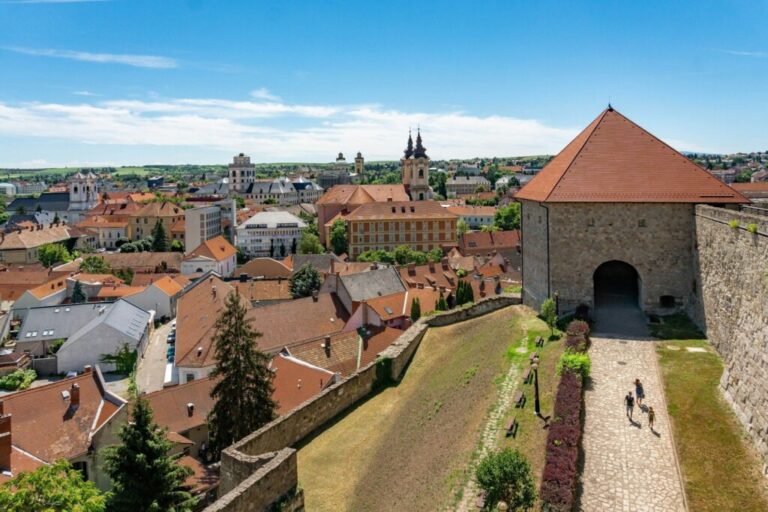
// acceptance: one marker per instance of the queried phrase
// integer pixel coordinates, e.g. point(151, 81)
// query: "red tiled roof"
point(400, 210)
point(267, 267)
point(216, 248)
point(430, 275)
point(480, 241)
point(615, 160)
point(361, 194)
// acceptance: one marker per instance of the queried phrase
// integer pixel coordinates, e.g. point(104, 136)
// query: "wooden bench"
point(539, 341)
point(480, 501)
point(534, 356)
point(512, 427)
point(527, 376)
point(519, 399)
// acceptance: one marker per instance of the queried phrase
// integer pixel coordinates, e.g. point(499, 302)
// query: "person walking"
point(651, 417)
point(629, 401)
point(639, 393)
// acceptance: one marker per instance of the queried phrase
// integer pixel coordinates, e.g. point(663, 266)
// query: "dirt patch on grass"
point(720, 469)
point(408, 447)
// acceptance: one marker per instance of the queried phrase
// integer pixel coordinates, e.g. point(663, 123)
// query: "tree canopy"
point(505, 475)
point(305, 281)
point(51, 488)
point(339, 238)
point(144, 477)
point(310, 244)
point(78, 295)
point(49, 254)
point(507, 217)
point(94, 265)
point(243, 389)
point(159, 238)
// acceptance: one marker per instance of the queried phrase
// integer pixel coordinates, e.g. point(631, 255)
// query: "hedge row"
point(577, 338)
point(558, 484)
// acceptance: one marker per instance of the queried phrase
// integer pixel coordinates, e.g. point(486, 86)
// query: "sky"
point(137, 82)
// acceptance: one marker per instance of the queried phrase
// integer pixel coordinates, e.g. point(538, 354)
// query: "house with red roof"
point(214, 255)
point(609, 221)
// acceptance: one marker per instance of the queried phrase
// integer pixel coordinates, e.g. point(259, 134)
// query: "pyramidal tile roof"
point(616, 161)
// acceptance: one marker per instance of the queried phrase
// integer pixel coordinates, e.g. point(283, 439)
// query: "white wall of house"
point(188, 374)
point(153, 298)
point(27, 300)
point(88, 348)
point(200, 264)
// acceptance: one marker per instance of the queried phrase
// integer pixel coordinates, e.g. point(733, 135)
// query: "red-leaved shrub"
point(578, 328)
point(575, 343)
point(562, 450)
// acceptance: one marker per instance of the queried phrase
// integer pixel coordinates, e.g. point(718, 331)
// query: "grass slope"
point(720, 470)
point(408, 447)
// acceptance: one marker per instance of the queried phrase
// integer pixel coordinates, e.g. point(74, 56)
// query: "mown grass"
point(676, 327)
point(531, 435)
point(720, 469)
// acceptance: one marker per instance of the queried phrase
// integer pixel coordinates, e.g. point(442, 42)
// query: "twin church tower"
point(415, 169)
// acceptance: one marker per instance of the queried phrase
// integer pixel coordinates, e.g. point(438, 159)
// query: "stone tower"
point(83, 192)
point(419, 167)
point(359, 162)
point(241, 173)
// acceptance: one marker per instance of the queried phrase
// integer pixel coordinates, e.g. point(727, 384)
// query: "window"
point(190, 377)
point(82, 467)
point(641, 223)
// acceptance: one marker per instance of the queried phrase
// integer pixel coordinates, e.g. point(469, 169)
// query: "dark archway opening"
point(616, 284)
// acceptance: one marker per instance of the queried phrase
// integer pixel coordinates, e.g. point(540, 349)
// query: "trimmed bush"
point(576, 343)
point(578, 328)
point(577, 362)
point(558, 483)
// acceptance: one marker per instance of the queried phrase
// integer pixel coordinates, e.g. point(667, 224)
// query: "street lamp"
point(536, 405)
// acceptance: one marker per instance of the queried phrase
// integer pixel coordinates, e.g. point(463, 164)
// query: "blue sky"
point(166, 81)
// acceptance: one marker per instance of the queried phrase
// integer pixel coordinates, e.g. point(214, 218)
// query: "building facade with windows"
point(241, 173)
point(420, 225)
point(201, 224)
point(271, 234)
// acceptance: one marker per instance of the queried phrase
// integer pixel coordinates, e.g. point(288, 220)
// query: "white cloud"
point(140, 61)
point(85, 93)
point(263, 93)
point(275, 131)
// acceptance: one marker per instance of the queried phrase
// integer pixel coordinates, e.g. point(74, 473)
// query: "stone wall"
point(731, 306)
point(260, 452)
point(535, 260)
point(655, 238)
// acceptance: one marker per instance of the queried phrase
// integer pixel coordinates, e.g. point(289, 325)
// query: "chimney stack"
point(74, 396)
point(190, 409)
point(364, 305)
point(6, 445)
point(87, 369)
point(314, 296)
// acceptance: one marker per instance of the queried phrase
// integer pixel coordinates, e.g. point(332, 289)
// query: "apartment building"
point(201, 224)
point(421, 225)
point(272, 234)
point(462, 185)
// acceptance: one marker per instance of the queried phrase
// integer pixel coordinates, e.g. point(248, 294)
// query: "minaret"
point(359, 161)
point(420, 172)
point(406, 163)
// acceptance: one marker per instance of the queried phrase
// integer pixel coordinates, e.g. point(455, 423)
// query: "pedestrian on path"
point(651, 417)
point(639, 393)
point(629, 401)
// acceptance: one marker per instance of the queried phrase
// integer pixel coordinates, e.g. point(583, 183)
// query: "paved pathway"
point(151, 371)
point(627, 467)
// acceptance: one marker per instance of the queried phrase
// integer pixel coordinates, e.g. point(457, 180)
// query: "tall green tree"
point(51, 488)
point(548, 313)
point(507, 217)
point(159, 238)
point(78, 295)
point(310, 244)
point(339, 237)
point(243, 389)
point(441, 304)
point(144, 477)
point(304, 281)
point(94, 265)
point(49, 254)
point(415, 309)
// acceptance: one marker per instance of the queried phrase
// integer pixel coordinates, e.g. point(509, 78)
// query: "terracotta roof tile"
point(614, 160)
point(216, 248)
point(265, 289)
point(168, 285)
point(362, 194)
point(400, 210)
point(267, 267)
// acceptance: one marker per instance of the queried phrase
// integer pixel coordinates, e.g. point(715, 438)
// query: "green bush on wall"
point(752, 228)
point(577, 362)
point(733, 223)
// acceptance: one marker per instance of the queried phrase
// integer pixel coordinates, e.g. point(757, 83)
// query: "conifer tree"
point(159, 238)
point(304, 281)
point(78, 295)
point(144, 477)
point(415, 309)
point(441, 304)
point(243, 390)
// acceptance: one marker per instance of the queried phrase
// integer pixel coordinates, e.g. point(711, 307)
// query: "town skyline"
point(120, 83)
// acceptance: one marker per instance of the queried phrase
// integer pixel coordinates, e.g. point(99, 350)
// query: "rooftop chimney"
point(5, 442)
point(213, 291)
point(314, 296)
point(87, 369)
point(364, 305)
point(74, 394)
point(190, 409)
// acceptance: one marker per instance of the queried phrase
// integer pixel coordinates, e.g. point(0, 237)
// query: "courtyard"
point(412, 446)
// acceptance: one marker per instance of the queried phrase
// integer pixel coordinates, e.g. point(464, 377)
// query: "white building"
point(214, 255)
point(201, 224)
point(7, 189)
point(272, 234)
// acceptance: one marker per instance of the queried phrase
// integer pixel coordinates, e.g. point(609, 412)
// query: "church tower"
point(419, 183)
point(406, 163)
point(359, 161)
point(83, 192)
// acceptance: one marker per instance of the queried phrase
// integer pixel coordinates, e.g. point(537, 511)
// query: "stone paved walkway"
point(627, 467)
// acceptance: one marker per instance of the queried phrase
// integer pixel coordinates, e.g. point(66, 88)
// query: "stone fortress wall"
point(731, 305)
point(260, 470)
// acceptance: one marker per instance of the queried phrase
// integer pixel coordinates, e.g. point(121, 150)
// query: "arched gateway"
point(616, 284)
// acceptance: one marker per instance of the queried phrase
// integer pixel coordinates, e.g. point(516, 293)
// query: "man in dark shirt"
point(629, 401)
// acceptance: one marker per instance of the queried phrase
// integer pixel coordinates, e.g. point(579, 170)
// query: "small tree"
point(124, 359)
point(548, 313)
point(159, 238)
point(49, 254)
point(243, 389)
point(94, 265)
point(144, 477)
point(310, 244)
point(53, 488)
point(505, 475)
point(441, 304)
point(507, 217)
point(305, 281)
point(415, 309)
point(339, 238)
point(78, 295)
point(177, 246)
point(461, 227)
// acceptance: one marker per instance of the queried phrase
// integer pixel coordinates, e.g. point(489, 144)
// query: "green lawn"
point(720, 470)
point(409, 447)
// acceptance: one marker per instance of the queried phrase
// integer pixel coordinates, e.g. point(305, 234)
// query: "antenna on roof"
point(610, 108)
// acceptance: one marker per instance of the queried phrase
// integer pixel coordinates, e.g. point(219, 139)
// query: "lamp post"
point(536, 405)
